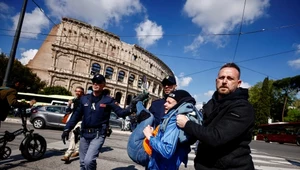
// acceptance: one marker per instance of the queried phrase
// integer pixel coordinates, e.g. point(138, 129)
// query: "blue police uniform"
point(157, 108)
point(95, 114)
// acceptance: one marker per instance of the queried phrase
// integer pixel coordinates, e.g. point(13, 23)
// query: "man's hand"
point(181, 120)
point(65, 135)
point(32, 102)
point(70, 102)
point(148, 131)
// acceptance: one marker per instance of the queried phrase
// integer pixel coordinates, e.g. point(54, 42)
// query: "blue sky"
point(193, 37)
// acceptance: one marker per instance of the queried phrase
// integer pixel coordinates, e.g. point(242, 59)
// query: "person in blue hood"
point(166, 150)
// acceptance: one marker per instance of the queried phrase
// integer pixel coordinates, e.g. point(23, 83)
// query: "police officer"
point(157, 107)
point(94, 109)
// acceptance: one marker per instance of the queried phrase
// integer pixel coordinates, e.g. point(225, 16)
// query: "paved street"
point(113, 155)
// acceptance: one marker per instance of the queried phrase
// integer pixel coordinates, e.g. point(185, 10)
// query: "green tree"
point(293, 115)
point(31, 80)
point(260, 97)
point(289, 87)
point(55, 90)
point(296, 103)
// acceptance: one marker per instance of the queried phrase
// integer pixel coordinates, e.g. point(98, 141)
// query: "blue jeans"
point(89, 148)
point(135, 149)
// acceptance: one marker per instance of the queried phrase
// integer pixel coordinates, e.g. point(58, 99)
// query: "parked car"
point(52, 115)
point(115, 121)
point(47, 116)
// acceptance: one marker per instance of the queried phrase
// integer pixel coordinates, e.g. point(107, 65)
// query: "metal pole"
point(126, 93)
point(15, 43)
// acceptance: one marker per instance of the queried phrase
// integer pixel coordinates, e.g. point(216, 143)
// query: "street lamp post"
point(15, 43)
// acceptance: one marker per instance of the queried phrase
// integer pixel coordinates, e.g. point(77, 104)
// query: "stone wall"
point(74, 51)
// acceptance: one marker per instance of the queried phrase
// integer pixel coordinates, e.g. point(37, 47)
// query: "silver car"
point(52, 115)
point(47, 116)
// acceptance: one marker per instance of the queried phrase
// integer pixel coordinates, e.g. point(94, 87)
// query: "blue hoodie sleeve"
point(166, 143)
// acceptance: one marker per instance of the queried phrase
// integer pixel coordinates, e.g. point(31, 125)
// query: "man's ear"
point(239, 83)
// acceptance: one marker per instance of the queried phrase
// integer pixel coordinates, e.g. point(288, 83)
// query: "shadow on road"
point(294, 162)
point(106, 149)
point(19, 160)
point(130, 167)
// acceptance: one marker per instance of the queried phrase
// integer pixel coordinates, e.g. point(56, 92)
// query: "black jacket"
point(225, 134)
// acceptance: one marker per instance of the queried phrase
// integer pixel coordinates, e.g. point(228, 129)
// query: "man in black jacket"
point(228, 123)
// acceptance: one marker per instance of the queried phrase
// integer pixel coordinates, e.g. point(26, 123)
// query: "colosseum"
point(74, 51)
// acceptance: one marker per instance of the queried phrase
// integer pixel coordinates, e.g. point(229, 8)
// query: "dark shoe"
point(65, 158)
point(143, 116)
point(140, 97)
point(75, 154)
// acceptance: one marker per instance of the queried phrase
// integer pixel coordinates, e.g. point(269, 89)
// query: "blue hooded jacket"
point(167, 152)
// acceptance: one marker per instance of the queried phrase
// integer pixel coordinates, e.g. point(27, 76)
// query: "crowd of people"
point(164, 132)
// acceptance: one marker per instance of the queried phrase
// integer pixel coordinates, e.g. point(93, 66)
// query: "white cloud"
point(33, 23)
point(209, 93)
point(100, 13)
point(245, 85)
point(295, 63)
point(4, 7)
point(183, 81)
point(196, 44)
point(27, 56)
point(199, 105)
point(148, 33)
point(5, 10)
point(297, 46)
point(214, 16)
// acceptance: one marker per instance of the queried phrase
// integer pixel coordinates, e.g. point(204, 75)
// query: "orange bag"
point(65, 118)
point(146, 143)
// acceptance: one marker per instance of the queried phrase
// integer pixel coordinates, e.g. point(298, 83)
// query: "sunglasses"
point(167, 84)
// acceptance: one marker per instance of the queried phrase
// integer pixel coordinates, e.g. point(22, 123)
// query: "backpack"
point(5, 108)
point(192, 114)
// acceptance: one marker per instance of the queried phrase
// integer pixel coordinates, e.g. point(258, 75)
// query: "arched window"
point(140, 83)
point(128, 99)
point(159, 90)
point(121, 76)
point(95, 68)
point(109, 72)
point(134, 57)
point(118, 97)
point(154, 88)
point(131, 79)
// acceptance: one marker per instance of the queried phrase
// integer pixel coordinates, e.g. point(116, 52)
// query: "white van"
point(58, 102)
